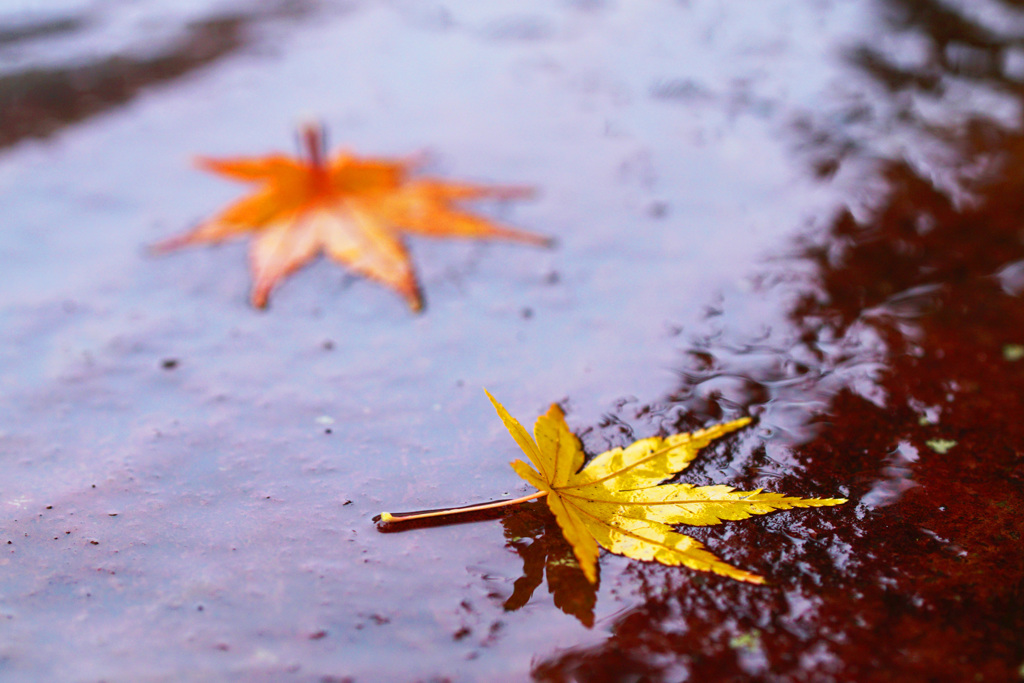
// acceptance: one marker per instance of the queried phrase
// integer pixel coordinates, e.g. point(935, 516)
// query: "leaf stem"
point(313, 140)
point(394, 517)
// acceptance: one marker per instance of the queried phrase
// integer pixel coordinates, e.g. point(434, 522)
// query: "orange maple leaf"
point(354, 210)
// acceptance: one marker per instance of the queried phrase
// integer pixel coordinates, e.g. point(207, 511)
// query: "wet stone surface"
point(807, 212)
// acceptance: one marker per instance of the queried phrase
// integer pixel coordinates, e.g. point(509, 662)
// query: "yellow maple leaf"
point(354, 210)
point(619, 501)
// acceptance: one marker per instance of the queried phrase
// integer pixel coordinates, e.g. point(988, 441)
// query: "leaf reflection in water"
point(532, 532)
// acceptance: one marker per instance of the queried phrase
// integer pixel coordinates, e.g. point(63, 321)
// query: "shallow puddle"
point(808, 212)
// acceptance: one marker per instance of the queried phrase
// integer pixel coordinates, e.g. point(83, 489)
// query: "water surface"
point(805, 211)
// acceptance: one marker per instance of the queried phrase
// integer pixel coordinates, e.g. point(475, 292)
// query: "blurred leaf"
point(940, 446)
point(354, 210)
point(749, 641)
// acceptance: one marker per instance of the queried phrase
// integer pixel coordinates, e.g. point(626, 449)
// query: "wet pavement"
point(809, 212)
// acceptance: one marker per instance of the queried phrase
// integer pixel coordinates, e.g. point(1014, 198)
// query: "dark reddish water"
point(809, 212)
